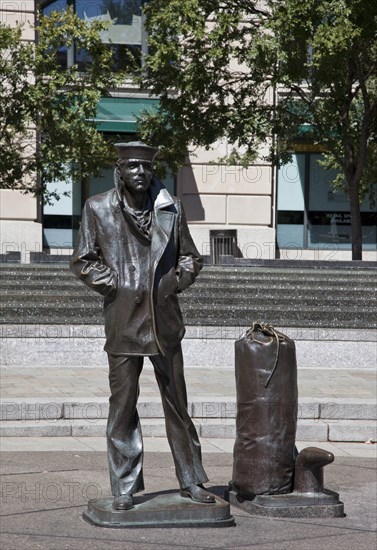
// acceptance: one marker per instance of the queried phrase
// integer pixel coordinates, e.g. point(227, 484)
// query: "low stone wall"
point(318, 419)
point(203, 346)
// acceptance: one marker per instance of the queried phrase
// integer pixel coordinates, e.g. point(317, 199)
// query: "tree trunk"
point(356, 230)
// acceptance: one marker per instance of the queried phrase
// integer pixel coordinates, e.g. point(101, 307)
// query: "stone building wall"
point(219, 196)
point(20, 226)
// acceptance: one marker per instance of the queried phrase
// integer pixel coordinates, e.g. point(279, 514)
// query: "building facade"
point(258, 212)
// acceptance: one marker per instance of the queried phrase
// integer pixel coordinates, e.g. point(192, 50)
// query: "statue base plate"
point(159, 510)
point(292, 505)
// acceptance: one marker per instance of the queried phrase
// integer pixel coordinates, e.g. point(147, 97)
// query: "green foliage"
point(58, 102)
point(15, 107)
point(195, 62)
point(223, 59)
point(217, 65)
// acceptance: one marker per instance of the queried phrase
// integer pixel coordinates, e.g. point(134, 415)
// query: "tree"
point(15, 107)
point(51, 105)
point(214, 65)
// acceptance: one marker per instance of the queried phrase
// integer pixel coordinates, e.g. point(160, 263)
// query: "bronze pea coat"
point(139, 280)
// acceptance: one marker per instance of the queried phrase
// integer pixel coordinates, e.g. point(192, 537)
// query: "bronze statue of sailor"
point(134, 248)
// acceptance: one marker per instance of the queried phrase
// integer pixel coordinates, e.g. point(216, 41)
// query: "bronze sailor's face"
point(136, 175)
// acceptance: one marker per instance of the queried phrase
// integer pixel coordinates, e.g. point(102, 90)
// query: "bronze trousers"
point(124, 438)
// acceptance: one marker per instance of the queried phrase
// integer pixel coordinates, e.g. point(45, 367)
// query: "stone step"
point(295, 292)
point(359, 431)
point(195, 314)
point(88, 308)
point(353, 431)
point(66, 280)
point(203, 279)
point(297, 278)
point(278, 288)
point(243, 299)
point(275, 309)
point(258, 301)
point(220, 409)
point(202, 293)
point(316, 316)
point(25, 271)
point(51, 294)
point(74, 288)
point(218, 315)
point(35, 281)
point(307, 430)
point(209, 274)
point(18, 299)
point(230, 296)
point(298, 264)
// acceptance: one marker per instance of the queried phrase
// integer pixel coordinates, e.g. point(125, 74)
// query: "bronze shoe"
point(123, 502)
point(198, 494)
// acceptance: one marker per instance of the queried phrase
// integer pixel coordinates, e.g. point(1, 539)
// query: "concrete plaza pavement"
point(47, 481)
point(334, 404)
point(43, 495)
point(204, 383)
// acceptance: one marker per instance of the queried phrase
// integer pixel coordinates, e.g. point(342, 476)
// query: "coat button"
point(137, 300)
point(132, 268)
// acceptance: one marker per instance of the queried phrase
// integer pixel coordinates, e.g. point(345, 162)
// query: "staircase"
point(52, 331)
point(221, 296)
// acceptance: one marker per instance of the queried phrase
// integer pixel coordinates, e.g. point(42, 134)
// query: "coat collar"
point(164, 219)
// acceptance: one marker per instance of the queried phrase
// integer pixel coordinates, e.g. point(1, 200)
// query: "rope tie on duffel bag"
point(270, 331)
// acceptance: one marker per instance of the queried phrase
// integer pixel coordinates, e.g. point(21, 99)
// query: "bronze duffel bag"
point(266, 381)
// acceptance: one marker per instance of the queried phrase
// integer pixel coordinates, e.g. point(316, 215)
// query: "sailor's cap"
point(136, 150)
